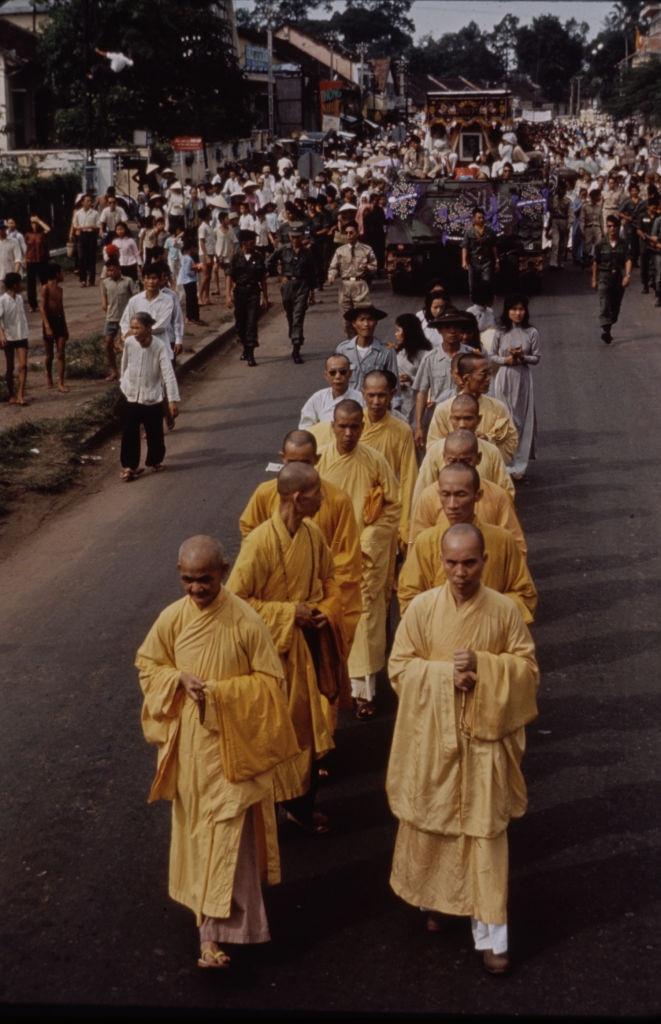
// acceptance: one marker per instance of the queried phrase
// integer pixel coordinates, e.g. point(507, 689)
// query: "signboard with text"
point(330, 98)
point(187, 143)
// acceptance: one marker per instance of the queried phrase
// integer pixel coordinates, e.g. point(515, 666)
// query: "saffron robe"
point(505, 570)
point(275, 572)
point(369, 481)
point(214, 770)
point(495, 423)
point(337, 523)
point(393, 438)
point(454, 775)
point(490, 467)
point(494, 507)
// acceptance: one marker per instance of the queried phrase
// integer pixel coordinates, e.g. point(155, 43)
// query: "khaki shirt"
point(352, 264)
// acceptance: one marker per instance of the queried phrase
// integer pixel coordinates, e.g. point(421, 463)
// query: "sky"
point(439, 16)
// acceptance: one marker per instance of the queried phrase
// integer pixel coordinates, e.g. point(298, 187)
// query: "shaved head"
point(296, 476)
point(460, 441)
point(462, 536)
point(299, 439)
point(349, 407)
point(201, 550)
point(375, 377)
point(466, 362)
point(344, 359)
point(465, 402)
point(458, 469)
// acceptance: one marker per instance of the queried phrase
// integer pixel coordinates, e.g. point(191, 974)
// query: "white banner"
point(329, 123)
point(536, 115)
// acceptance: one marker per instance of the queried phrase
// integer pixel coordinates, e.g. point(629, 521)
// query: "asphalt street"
point(86, 919)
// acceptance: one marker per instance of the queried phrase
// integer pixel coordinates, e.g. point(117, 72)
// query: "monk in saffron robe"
point(464, 415)
point(463, 667)
point(494, 505)
point(335, 519)
point(285, 571)
point(370, 483)
point(472, 376)
point(393, 438)
point(215, 706)
point(505, 568)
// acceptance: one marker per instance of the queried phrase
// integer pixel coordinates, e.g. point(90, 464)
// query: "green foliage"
point(466, 52)
point(185, 79)
point(639, 92)
point(551, 53)
point(52, 198)
point(86, 358)
point(282, 12)
point(502, 40)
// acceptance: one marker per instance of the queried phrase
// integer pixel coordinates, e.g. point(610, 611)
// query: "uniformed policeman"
point(246, 290)
point(354, 264)
point(295, 266)
point(611, 274)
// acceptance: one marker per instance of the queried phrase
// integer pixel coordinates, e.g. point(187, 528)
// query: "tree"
point(603, 64)
point(551, 53)
point(639, 93)
point(503, 41)
point(466, 52)
point(185, 78)
point(281, 12)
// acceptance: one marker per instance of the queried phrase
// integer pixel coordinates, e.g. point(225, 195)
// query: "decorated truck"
point(428, 212)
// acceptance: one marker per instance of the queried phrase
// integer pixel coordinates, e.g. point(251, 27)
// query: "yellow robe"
point(275, 572)
point(505, 569)
point(393, 438)
point(495, 423)
point(454, 776)
point(370, 483)
point(337, 523)
point(490, 467)
point(215, 771)
point(494, 507)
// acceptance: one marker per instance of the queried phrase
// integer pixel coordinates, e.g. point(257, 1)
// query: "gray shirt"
point(435, 375)
point(117, 295)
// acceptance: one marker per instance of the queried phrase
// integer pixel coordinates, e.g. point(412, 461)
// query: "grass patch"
point(59, 443)
point(86, 358)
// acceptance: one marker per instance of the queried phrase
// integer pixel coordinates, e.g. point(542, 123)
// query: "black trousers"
point(192, 305)
point(135, 415)
point(295, 296)
point(246, 314)
point(646, 266)
point(87, 248)
point(610, 293)
point(35, 272)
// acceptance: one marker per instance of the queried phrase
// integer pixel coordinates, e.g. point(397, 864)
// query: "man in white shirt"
point(109, 218)
point(14, 336)
point(207, 248)
point(10, 255)
point(86, 230)
point(157, 303)
point(319, 406)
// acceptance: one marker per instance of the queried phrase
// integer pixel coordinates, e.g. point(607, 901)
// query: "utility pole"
point(89, 22)
point(269, 45)
point(403, 66)
point(362, 49)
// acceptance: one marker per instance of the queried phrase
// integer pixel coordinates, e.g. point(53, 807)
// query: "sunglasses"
point(337, 373)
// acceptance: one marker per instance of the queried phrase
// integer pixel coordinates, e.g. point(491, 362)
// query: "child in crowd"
point(54, 325)
point(187, 279)
point(14, 336)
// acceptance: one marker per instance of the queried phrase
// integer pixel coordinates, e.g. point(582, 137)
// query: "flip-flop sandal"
point(215, 959)
point(363, 709)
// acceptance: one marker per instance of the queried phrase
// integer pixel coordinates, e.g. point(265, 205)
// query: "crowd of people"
point(372, 509)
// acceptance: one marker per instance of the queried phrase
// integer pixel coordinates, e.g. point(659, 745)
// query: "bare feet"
point(111, 377)
point(62, 388)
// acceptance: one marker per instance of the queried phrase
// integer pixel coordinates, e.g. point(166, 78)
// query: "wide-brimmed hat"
point(348, 208)
point(219, 202)
point(177, 186)
point(150, 168)
point(367, 310)
point(453, 318)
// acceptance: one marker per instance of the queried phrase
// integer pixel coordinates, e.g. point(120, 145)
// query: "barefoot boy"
point(14, 336)
point(54, 324)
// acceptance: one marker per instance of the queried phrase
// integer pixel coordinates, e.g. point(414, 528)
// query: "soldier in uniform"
point(558, 229)
point(354, 264)
point(295, 266)
point(246, 291)
point(611, 274)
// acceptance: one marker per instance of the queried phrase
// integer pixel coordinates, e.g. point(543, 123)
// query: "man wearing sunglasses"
point(319, 407)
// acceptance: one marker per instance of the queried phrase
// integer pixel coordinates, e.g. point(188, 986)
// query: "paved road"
point(85, 914)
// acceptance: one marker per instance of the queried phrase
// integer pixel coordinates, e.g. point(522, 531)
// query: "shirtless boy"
point(54, 324)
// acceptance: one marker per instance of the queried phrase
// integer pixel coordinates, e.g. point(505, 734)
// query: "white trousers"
point(489, 936)
point(364, 687)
